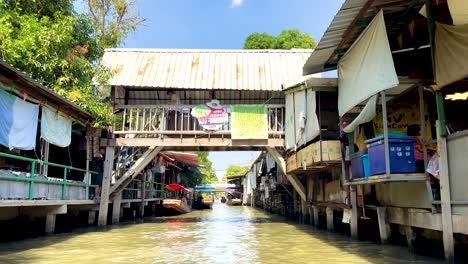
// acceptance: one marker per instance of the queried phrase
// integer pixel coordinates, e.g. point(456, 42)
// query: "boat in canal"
point(176, 205)
point(208, 202)
point(234, 201)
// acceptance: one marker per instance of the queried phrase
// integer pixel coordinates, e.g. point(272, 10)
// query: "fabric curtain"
point(458, 11)
point(55, 128)
point(301, 118)
point(367, 114)
point(270, 162)
point(366, 68)
point(289, 122)
point(451, 54)
point(18, 126)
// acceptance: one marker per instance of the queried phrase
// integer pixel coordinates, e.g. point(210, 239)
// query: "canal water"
point(222, 235)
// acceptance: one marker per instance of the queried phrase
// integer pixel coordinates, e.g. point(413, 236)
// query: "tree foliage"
point(235, 170)
point(287, 39)
point(60, 48)
point(209, 174)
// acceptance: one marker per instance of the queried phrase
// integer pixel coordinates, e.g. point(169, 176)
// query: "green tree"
point(207, 170)
point(60, 48)
point(259, 41)
point(235, 170)
point(287, 39)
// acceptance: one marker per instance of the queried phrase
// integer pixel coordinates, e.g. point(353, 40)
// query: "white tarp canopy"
point(367, 114)
point(366, 68)
point(458, 11)
point(451, 54)
point(301, 119)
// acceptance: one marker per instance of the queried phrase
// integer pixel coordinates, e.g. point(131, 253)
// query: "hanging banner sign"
point(211, 116)
point(249, 122)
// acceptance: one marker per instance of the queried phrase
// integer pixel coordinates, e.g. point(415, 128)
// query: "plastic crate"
point(401, 150)
point(365, 164)
point(357, 166)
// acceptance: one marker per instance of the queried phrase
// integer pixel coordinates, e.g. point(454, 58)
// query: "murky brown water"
point(222, 235)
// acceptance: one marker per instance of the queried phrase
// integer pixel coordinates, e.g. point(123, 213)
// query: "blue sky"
point(224, 24)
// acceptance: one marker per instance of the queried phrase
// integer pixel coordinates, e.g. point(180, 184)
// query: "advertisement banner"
point(249, 122)
point(211, 116)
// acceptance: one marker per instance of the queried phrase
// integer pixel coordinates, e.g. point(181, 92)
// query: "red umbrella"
point(175, 187)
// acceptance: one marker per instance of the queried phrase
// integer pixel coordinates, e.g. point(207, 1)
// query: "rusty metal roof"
point(347, 25)
point(254, 70)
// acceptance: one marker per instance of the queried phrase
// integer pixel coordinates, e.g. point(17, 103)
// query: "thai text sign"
point(211, 116)
point(249, 122)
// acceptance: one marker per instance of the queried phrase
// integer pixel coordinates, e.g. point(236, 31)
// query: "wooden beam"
point(445, 196)
point(104, 204)
point(195, 143)
point(292, 178)
point(330, 224)
point(354, 213)
point(139, 165)
point(116, 202)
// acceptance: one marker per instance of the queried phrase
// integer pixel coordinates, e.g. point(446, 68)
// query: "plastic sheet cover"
point(366, 68)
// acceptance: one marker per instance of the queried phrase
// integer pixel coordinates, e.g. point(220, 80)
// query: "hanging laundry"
point(55, 128)
point(270, 162)
point(18, 127)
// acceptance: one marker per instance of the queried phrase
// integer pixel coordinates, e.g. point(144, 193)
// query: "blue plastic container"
point(365, 164)
point(401, 155)
point(357, 166)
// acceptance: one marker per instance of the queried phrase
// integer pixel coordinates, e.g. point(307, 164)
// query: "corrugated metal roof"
point(266, 70)
point(325, 56)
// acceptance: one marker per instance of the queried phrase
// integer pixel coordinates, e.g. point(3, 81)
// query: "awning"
point(366, 68)
point(186, 158)
point(451, 54)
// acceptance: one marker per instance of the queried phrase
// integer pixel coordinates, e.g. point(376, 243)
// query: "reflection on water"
point(222, 235)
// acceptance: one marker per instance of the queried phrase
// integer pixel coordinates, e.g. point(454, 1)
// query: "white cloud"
point(236, 3)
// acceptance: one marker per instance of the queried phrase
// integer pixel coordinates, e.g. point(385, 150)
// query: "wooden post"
point(385, 133)
point(445, 197)
point(116, 208)
point(316, 215)
point(410, 237)
point(330, 224)
point(50, 223)
point(143, 196)
point(91, 217)
point(304, 211)
point(104, 204)
point(381, 214)
point(354, 213)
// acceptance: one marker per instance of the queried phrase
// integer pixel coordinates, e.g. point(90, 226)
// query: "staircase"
point(134, 170)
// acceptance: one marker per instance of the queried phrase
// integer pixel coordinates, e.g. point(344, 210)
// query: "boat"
point(176, 205)
point(208, 202)
point(234, 201)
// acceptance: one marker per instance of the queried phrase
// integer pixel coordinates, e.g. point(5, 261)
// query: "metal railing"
point(151, 190)
point(132, 120)
point(32, 179)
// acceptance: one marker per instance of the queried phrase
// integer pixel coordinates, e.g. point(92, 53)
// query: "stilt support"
point(104, 204)
point(316, 216)
point(383, 231)
point(354, 213)
point(116, 210)
point(330, 224)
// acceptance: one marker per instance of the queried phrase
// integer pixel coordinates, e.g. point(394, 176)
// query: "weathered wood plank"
point(295, 182)
point(104, 203)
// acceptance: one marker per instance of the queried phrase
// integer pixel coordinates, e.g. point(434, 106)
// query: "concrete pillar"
point(50, 223)
point(104, 204)
point(330, 224)
point(316, 216)
point(91, 217)
point(410, 237)
point(354, 213)
point(51, 215)
point(311, 215)
point(383, 231)
point(116, 208)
